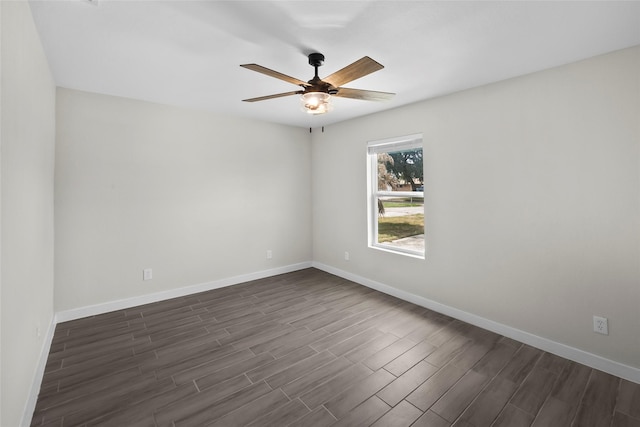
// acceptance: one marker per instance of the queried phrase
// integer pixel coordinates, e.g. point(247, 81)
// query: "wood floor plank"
point(431, 419)
point(252, 327)
point(101, 373)
point(402, 415)
point(366, 350)
point(112, 400)
point(623, 420)
point(488, 404)
point(117, 380)
point(534, 390)
point(364, 414)
point(184, 407)
point(435, 387)
point(188, 358)
point(98, 348)
point(471, 354)
point(562, 404)
point(311, 349)
point(410, 358)
point(291, 345)
point(400, 318)
point(190, 374)
point(402, 386)
point(449, 350)
point(234, 370)
point(338, 337)
point(387, 354)
point(319, 417)
point(346, 401)
point(294, 372)
point(325, 392)
point(451, 330)
point(494, 360)
point(628, 401)
point(351, 321)
point(552, 363)
point(195, 345)
point(281, 416)
point(320, 319)
point(278, 365)
point(596, 408)
point(355, 341)
point(272, 343)
point(140, 413)
point(521, 364)
point(252, 410)
point(316, 377)
point(571, 384)
point(208, 412)
point(513, 416)
point(428, 327)
point(458, 397)
point(250, 332)
point(301, 312)
point(259, 338)
point(554, 413)
point(151, 346)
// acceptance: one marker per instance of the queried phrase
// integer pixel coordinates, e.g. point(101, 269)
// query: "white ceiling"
point(187, 53)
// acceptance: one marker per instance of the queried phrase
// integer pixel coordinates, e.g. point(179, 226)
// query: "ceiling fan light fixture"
point(316, 102)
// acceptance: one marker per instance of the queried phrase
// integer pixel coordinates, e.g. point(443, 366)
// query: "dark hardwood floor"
point(310, 349)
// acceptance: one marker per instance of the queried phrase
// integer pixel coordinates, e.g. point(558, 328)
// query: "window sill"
point(398, 251)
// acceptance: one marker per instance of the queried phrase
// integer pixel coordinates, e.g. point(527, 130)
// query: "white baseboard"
point(32, 398)
point(589, 359)
point(93, 310)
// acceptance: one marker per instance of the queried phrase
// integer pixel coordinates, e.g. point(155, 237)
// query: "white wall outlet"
point(269, 254)
point(346, 256)
point(147, 274)
point(601, 325)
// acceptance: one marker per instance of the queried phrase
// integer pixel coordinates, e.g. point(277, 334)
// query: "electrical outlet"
point(601, 325)
point(269, 254)
point(147, 274)
point(346, 256)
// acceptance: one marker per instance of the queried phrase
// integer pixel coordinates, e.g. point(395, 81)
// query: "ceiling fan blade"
point(277, 95)
point(272, 73)
point(360, 68)
point(365, 95)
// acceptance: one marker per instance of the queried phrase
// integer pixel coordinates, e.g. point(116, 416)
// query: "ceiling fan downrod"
point(316, 60)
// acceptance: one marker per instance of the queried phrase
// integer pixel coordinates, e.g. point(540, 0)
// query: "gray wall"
point(27, 163)
point(532, 202)
point(195, 196)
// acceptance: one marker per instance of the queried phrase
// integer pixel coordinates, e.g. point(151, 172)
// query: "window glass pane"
point(401, 222)
point(400, 170)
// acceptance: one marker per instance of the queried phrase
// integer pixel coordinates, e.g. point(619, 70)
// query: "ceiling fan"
point(316, 93)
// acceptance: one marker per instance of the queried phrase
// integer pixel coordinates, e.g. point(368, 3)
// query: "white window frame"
point(407, 142)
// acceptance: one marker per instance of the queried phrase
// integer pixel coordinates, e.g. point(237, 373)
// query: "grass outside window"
point(394, 228)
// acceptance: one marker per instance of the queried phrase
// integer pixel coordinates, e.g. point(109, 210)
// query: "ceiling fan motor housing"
point(316, 59)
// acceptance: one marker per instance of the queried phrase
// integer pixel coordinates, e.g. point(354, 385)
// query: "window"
point(396, 195)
